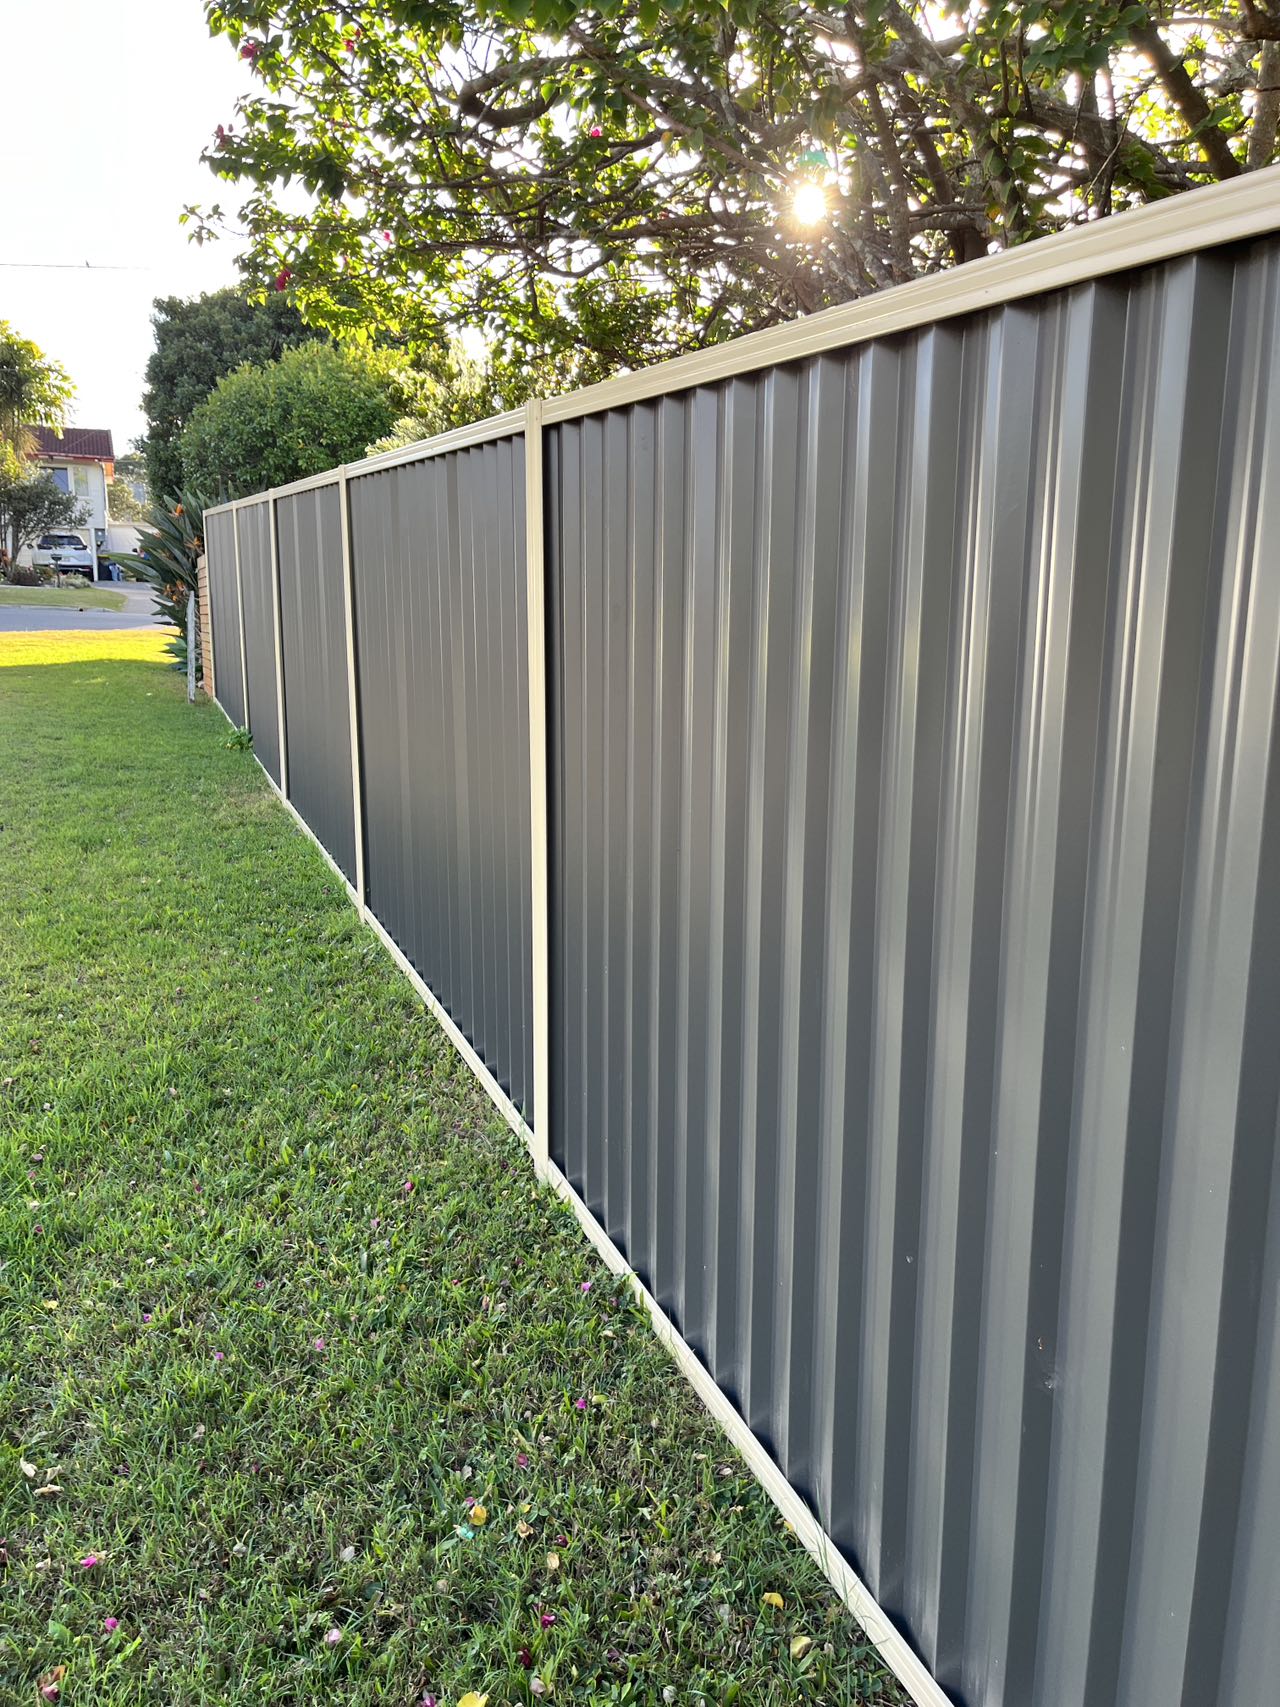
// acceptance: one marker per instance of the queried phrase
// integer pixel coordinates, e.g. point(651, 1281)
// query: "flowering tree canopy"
point(612, 182)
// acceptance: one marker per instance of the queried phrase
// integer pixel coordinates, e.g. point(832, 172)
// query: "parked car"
point(63, 551)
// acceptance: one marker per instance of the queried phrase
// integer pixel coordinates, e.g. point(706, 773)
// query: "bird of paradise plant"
point(172, 540)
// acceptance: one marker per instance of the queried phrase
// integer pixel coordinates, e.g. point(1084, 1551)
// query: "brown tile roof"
point(92, 444)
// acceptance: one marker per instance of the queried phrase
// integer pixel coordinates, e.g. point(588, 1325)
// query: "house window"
point(81, 477)
point(61, 477)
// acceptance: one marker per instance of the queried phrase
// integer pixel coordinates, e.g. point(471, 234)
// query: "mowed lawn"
point(307, 1393)
point(64, 598)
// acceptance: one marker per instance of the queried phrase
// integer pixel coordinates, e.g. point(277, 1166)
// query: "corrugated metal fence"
point(887, 952)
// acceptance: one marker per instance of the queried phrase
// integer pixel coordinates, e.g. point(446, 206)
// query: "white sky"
point(106, 108)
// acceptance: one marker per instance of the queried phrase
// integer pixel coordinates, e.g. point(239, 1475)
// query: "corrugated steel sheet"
point(439, 555)
point(916, 951)
point(314, 638)
point(224, 603)
point(263, 718)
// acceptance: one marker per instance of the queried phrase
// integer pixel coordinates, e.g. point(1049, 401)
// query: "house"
point(82, 462)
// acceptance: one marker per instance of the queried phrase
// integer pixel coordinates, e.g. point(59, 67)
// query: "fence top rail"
point(457, 438)
point(1207, 218)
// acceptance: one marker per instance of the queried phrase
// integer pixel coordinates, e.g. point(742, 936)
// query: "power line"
point(75, 266)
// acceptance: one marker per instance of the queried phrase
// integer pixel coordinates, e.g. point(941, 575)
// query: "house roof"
point(77, 444)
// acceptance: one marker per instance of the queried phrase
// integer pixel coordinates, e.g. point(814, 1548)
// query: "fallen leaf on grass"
point(524, 1530)
point(471, 1699)
point(50, 1683)
point(27, 1467)
point(800, 1646)
point(553, 1564)
point(774, 1600)
point(479, 1516)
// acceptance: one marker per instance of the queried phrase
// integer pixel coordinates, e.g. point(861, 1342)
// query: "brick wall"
point(205, 623)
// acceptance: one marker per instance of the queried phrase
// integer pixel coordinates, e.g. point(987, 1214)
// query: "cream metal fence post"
point(244, 652)
point(353, 698)
point(536, 634)
point(277, 620)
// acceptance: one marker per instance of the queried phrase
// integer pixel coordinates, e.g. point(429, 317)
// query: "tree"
point(264, 426)
point(122, 506)
point(129, 496)
point(613, 182)
point(198, 342)
point(31, 505)
point(34, 390)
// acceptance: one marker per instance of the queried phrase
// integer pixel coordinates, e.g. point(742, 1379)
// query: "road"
point(139, 612)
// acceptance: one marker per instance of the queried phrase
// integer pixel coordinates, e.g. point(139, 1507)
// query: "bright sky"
point(106, 109)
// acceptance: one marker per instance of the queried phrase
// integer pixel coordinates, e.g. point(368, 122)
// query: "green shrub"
point(315, 407)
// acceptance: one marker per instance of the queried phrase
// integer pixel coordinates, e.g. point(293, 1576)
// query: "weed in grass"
point(274, 1428)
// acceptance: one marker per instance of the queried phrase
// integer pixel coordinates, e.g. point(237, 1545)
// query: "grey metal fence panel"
point(314, 639)
point(257, 591)
point(439, 554)
point(224, 610)
point(915, 930)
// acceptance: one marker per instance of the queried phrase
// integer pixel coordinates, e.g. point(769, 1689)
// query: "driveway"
point(139, 612)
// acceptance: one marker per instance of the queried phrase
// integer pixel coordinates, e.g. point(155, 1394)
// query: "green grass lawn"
point(66, 598)
point(307, 1393)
